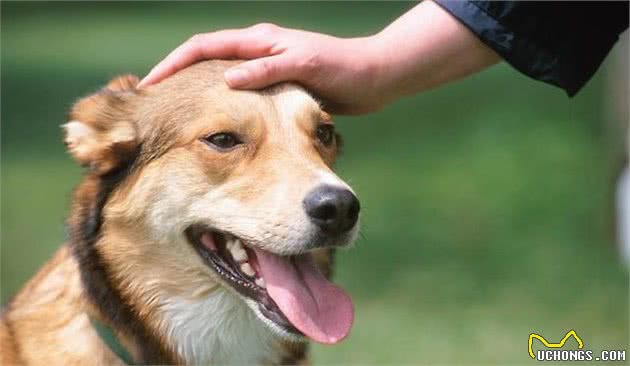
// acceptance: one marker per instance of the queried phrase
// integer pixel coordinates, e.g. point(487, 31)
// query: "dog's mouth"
point(289, 291)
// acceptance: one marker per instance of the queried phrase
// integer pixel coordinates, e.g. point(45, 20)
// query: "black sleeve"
point(558, 42)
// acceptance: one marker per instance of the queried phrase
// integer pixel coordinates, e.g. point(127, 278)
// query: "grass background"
point(487, 203)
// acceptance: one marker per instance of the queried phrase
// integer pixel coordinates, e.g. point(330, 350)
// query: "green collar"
point(108, 337)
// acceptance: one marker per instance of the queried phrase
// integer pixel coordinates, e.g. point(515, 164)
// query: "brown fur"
point(137, 146)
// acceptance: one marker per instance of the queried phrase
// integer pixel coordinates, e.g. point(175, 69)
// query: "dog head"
point(219, 188)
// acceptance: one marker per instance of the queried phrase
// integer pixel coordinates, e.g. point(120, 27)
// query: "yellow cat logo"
point(570, 333)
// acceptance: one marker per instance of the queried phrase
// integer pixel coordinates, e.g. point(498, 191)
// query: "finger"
point(240, 43)
point(262, 72)
point(200, 46)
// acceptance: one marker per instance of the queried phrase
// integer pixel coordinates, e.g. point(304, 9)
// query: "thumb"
point(261, 72)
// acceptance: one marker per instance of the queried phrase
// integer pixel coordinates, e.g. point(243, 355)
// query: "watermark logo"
point(555, 353)
point(569, 334)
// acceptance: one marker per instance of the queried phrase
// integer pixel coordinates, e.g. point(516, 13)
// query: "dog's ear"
point(101, 133)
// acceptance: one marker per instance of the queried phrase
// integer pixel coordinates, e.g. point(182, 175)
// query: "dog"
point(202, 232)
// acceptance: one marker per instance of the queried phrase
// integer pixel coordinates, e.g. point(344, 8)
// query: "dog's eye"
point(223, 140)
point(326, 134)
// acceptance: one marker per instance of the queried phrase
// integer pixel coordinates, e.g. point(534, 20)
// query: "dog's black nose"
point(335, 210)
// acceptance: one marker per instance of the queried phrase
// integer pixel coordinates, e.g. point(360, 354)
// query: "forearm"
point(424, 48)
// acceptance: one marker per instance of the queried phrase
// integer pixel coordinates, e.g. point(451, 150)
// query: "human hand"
point(342, 72)
point(424, 48)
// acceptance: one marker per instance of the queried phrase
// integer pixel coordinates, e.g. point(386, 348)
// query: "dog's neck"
point(195, 323)
point(202, 325)
point(198, 319)
point(218, 329)
point(212, 327)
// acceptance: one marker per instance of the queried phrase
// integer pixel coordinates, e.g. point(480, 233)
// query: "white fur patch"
point(220, 329)
point(290, 102)
point(328, 178)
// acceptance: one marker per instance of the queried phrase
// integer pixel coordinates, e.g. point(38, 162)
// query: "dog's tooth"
point(238, 252)
point(247, 269)
point(260, 282)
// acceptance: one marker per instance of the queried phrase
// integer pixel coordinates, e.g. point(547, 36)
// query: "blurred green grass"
point(486, 204)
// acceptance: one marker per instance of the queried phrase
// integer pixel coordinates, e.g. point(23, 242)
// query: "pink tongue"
point(319, 309)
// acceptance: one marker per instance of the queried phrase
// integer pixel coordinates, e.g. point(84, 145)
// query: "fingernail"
point(144, 80)
point(236, 77)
